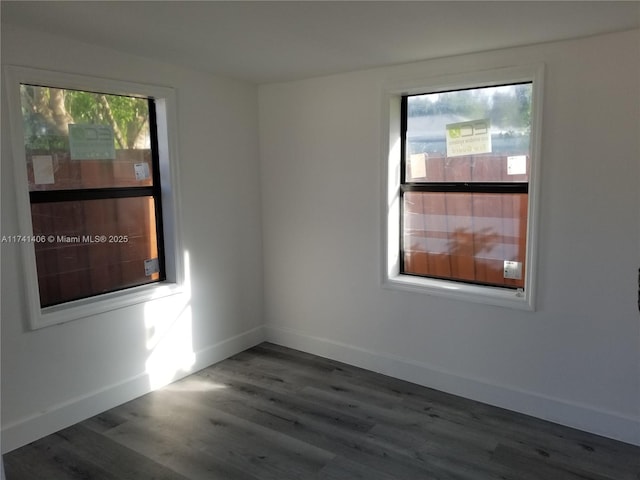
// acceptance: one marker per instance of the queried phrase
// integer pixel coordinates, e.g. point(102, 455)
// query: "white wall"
point(59, 375)
point(576, 360)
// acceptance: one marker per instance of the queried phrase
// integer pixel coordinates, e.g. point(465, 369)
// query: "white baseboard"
point(582, 417)
point(62, 415)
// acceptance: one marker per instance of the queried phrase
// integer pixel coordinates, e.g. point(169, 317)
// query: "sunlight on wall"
point(168, 325)
point(393, 209)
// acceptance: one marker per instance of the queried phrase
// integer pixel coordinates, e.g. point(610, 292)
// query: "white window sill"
point(502, 297)
point(167, 128)
point(106, 302)
point(391, 136)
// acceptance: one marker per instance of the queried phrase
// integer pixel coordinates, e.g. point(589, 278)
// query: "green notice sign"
point(468, 138)
point(91, 142)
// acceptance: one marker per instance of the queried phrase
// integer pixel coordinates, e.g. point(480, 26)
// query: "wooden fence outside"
point(93, 246)
point(465, 236)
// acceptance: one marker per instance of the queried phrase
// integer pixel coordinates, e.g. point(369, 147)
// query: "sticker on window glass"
point(142, 171)
point(418, 163)
point(91, 142)
point(151, 266)
point(42, 169)
point(512, 269)
point(517, 165)
point(468, 138)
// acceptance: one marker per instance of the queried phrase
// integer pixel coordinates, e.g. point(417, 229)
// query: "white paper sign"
point(517, 165)
point(42, 169)
point(418, 165)
point(512, 269)
point(468, 138)
point(91, 142)
point(142, 171)
point(151, 266)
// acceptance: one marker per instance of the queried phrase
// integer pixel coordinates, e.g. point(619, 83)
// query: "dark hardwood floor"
point(277, 414)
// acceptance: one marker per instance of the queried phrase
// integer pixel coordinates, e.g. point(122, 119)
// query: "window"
point(95, 204)
point(461, 187)
point(95, 192)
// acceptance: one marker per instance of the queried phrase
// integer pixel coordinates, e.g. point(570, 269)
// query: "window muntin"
point(94, 188)
point(464, 206)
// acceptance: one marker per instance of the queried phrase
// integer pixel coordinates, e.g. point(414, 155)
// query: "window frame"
point(166, 126)
point(392, 176)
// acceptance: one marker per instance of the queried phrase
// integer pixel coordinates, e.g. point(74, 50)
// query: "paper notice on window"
point(42, 169)
point(151, 266)
point(142, 171)
point(468, 138)
point(512, 269)
point(418, 162)
point(91, 142)
point(517, 165)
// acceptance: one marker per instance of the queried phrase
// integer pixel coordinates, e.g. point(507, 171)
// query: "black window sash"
point(154, 191)
point(440, 187)
point(157, 190)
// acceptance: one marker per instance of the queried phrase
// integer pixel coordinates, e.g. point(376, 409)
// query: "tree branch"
point(109, 114)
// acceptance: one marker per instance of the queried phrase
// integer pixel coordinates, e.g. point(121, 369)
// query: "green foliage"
point(505, 108)
point(83, 107)
point(127, 115)
point(39, 132)
point(47, 112)
point(523, 96)
point(464, 102)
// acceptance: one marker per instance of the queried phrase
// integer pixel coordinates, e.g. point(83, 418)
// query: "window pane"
point(493, 121)
point(76, 139)
point(465, 236)
point(93, 246)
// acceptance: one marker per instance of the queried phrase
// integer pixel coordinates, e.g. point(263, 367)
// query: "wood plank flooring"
point(272, 413)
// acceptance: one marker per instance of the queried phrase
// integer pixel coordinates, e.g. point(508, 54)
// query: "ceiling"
point(267, 41)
